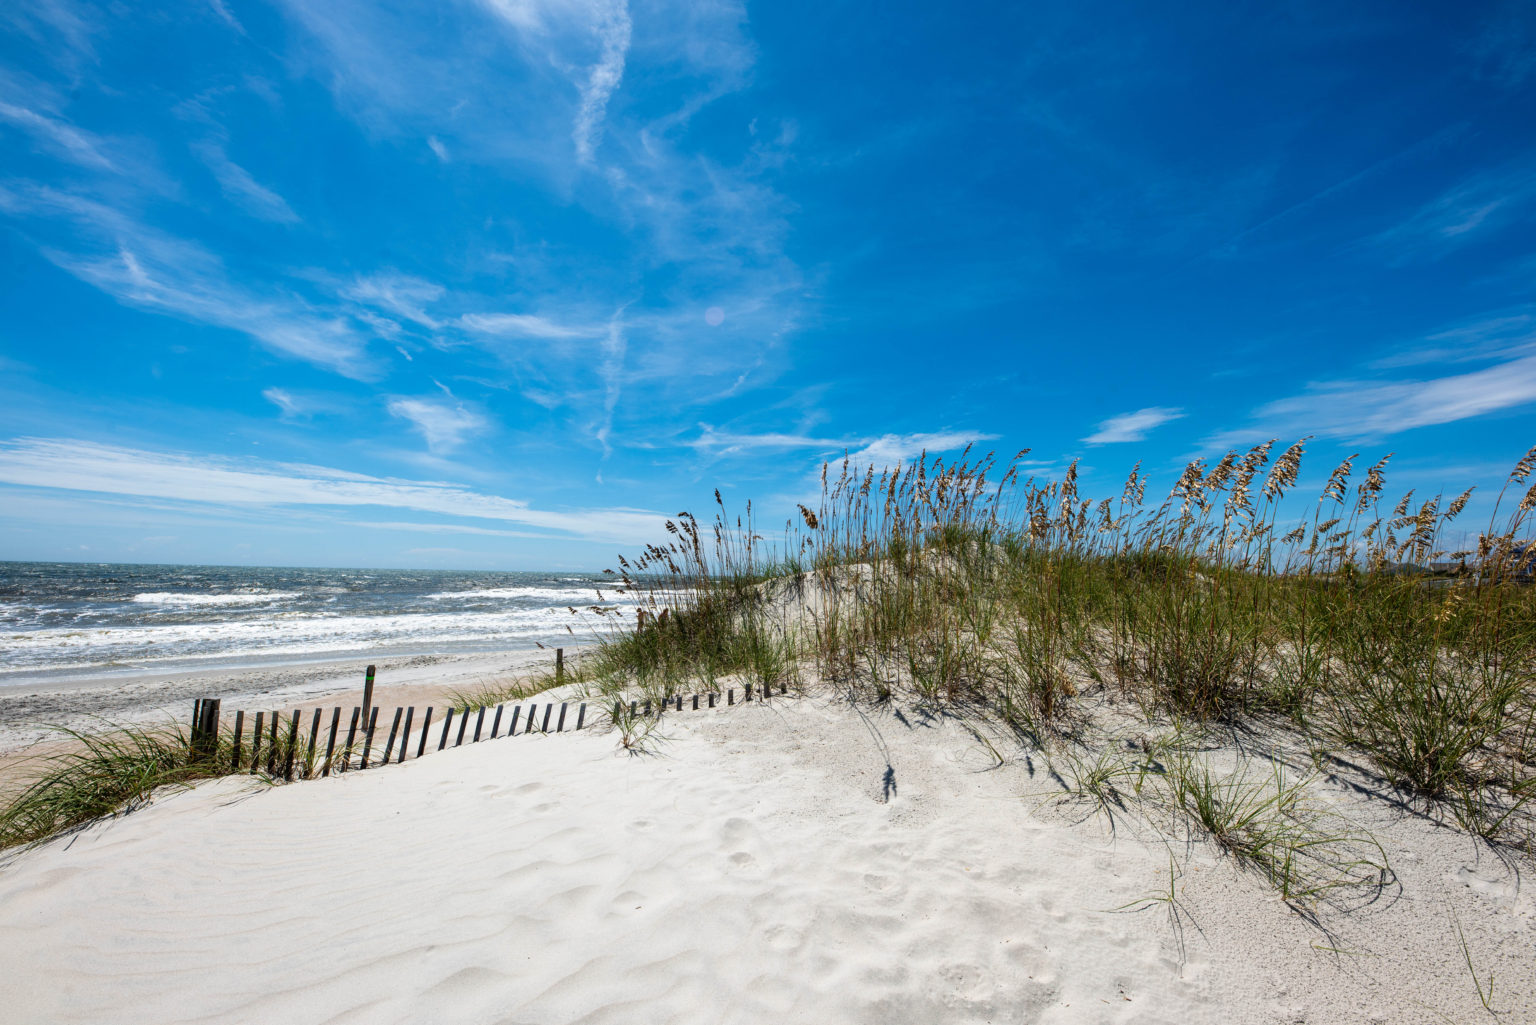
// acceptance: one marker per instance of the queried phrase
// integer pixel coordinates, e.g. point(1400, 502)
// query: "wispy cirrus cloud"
point(1484, 202)
point(522, 325)
point(404, 295)
point(1368, 408)
point(882, 450)
point(84, 466)
point(141, 266)
point(1132, 426)
point(241, 188)
point(71, 143)
point(445, 425)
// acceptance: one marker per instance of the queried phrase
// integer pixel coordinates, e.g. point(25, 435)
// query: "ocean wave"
point(286, 636)
point(181, 598)
point(548, 594)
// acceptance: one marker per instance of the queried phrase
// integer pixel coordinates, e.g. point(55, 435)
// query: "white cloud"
point(605, 22)
point(283, 401)
point(1486, 201)
point(140, 266)
point(436, 146)
point(1132, 426)
point(882, 451)
point(890, 450)
point(240, 188)
point(613, 28)
point(400, 294)
point(1375, 409)
point(521, 325)
point(90, 467)
point(67, 141)
point(444, 425)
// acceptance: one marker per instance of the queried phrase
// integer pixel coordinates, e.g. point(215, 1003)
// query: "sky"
point(504, 283)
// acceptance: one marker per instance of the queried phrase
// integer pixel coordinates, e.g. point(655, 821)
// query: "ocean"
point(91, 619)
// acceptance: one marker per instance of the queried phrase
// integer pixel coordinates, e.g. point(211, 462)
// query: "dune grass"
point(111, 770)
point(967, 586)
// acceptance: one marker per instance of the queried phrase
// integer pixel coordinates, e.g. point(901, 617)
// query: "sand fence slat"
point(479, 722)
point(234, 758)
point(547, 709)
point(447, 722)
point(256, 744)
point(293, 743)
point(560, 728)
point(426, 727)
point(314, 738)
point(330, 744)
point(373, 722)
point(463, 722)
point(581, 715)
point(496, 722)
point(405, 739)
point(272, 743)
point(394, 730)
point(517, 710)
point(346, 753)
point(532, 711)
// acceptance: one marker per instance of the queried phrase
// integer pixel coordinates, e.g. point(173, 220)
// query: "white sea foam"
point(179, 598)
point(284, 634)
point(584, 595)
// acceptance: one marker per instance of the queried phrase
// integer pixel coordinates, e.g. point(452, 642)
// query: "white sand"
point(794, 863)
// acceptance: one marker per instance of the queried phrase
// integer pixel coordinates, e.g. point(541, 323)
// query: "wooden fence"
point(281, 746)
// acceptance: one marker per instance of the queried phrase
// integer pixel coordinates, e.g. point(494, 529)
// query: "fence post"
point(426, 727)
point(256, 743)
point(373, 722)
point(293, 742)
point(581, 715)
point(205, 728)
point(393, 730)
point(330, 744)
point(405, 741)
point(560, 726)
point(272, 743)
point(234, 759)
point(559, 666)
point(367, 693)
point(346, 755)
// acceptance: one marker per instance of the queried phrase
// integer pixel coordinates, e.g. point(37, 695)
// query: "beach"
point(29, 715)
point(803, 860)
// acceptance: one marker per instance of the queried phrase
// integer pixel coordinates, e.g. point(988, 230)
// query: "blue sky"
point(500, 283)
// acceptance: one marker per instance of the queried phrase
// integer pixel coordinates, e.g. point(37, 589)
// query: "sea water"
point(88, 619)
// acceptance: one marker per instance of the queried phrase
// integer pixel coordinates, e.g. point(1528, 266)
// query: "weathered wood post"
point(426, 727)
point(367, 693)
point(405, 740)
point(204, 742)
point(256, 743)
point(314, 737)
point(330, 745)
point(234, 759)
point(559, 666)
point(293, 742)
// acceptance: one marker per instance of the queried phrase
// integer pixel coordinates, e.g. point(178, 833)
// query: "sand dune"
point(800, 862)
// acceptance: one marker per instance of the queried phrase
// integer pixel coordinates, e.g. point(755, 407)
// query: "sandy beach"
point(803, 861)
point(27, 712)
